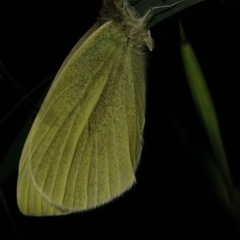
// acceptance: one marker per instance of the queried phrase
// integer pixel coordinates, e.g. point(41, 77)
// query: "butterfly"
point(85, 144)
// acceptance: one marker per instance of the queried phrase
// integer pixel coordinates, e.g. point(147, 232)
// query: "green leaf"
point(219, 168)
point(142, 6)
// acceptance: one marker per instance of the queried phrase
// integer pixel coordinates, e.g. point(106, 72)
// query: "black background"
point(172, 198)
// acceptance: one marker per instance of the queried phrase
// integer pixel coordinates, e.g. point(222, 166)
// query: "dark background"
point(172, 198)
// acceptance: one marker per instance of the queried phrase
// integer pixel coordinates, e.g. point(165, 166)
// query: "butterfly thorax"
point(137, 36)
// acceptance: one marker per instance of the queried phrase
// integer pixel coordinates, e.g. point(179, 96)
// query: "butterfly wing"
point(77, 46)
point(83, 148)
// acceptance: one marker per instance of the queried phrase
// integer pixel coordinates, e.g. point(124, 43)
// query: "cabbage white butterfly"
point(84, 145)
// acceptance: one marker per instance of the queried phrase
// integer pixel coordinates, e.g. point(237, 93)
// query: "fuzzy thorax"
point(135, 26)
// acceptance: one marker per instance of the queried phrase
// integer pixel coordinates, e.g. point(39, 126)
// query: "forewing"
point(84, 145)
point(77, 46)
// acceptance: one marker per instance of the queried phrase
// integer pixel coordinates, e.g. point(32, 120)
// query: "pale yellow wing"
point(83, 148)
point(77, 46)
